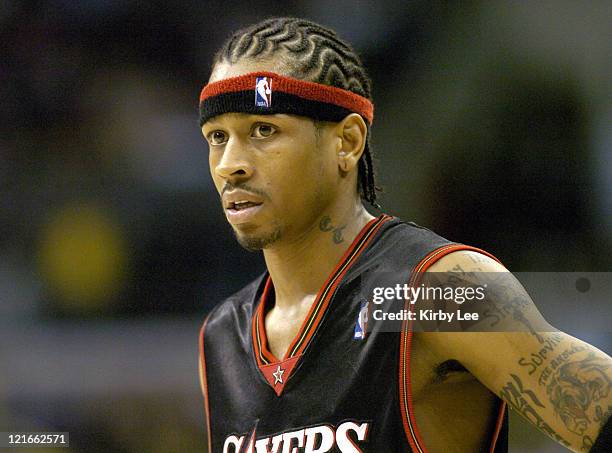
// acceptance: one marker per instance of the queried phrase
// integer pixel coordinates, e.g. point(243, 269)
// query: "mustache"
point(244, 187)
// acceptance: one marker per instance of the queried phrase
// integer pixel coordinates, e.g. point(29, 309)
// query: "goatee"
point(256, 243)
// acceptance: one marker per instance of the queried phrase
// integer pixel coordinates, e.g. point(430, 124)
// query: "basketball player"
point(286, 363)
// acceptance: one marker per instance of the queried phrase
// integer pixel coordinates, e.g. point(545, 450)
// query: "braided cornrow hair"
point(314, 53)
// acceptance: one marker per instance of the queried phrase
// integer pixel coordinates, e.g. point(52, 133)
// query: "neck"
point(300, 267)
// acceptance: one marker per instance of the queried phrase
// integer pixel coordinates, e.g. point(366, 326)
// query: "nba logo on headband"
point(263, 92)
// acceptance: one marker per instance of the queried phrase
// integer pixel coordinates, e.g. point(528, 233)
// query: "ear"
point(352, 132)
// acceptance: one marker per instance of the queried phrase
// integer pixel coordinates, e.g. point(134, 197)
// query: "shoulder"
point(466, 258)
point(441, 254)
point(402, 229)
point(410, 239)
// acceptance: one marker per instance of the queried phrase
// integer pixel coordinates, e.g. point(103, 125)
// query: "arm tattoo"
point(506, 307)
point(517, 396)
point(574, 387)
point(510, 300)
point(556, 362)
point(326, 225)
point(536, 359)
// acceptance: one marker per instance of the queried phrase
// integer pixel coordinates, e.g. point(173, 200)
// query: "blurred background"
point(492, 127)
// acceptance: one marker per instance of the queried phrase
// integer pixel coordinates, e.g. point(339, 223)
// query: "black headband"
point(267, 93)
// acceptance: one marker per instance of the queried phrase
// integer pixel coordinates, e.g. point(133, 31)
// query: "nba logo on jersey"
point(362, 320)
point(263, 92)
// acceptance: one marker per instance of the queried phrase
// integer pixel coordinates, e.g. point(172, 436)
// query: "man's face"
point(274, 173)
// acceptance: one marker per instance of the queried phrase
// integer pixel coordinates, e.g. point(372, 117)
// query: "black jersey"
point(337, 389)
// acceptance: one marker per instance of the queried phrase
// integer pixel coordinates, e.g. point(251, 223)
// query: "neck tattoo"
point(326, 225)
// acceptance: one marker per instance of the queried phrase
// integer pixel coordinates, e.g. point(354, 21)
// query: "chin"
point(255, 242)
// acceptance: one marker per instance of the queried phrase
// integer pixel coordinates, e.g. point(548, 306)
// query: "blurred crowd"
point(492, 127)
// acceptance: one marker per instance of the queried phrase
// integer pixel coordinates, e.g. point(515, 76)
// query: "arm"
point(559, 383)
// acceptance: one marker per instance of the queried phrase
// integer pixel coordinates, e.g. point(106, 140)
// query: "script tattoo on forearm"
point(326, 225)
point(519, 398)
point(536, 359)
point(556, 362)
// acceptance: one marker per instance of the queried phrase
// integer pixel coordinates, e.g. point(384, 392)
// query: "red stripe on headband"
point(302, 88)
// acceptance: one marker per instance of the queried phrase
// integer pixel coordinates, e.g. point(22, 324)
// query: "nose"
point(235, 163)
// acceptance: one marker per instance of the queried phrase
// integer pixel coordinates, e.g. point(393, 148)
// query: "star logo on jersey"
point(278, 375)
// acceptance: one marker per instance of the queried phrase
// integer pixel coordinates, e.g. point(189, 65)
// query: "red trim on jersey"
point(498, 425)
point(205, 384)
point(260, 341)
point(405, 384)
point(302, 88)
point(310, 324)
point(360, 243)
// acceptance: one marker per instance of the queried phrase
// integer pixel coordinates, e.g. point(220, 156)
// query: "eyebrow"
point(215, 120)
point(246, 117)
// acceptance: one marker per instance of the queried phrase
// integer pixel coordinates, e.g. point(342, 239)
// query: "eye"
point(263, 131)
point(217, 138)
